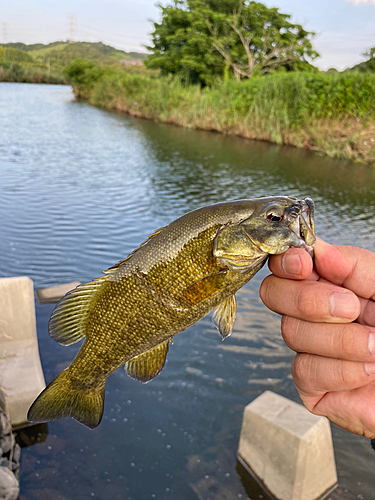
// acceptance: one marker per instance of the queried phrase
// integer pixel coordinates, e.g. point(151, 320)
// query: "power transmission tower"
point(71, 27)
point(5, 32)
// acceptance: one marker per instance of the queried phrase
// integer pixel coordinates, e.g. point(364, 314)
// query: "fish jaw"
point(304, 227)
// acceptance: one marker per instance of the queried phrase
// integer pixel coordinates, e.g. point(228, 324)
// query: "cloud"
point(356, 2)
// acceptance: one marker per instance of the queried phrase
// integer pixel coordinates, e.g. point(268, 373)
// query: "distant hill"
point(59, 54)
point(364, 67)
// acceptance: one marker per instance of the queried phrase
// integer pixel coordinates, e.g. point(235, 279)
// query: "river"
point(80, 187)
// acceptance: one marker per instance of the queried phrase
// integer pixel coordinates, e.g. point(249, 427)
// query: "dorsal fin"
point(122, 262)
point(67, 324)
point(149, 364)
point(69, 318)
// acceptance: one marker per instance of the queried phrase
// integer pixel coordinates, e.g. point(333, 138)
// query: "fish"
point(182, 272)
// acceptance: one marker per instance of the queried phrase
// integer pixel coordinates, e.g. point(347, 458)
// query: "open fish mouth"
point(303, 225)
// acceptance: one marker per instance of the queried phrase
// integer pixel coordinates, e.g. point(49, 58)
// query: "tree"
point(182, 45)
point(370, 53)
point(368, 65)
point(202, 39)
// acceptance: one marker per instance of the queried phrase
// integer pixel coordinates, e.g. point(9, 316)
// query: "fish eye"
point(274, 217)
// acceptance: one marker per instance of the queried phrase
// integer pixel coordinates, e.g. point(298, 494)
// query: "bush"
point(83, 75)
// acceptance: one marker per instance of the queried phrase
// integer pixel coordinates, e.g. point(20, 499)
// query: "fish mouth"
point(303, 225)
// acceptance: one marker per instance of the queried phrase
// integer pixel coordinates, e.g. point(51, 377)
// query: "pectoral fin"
point(224, 316)
point(204, 288)
point(148, 365)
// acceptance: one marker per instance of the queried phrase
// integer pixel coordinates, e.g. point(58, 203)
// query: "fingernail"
point(291, 264)
point(343, 305)
point(371, 344)
point(370, 368)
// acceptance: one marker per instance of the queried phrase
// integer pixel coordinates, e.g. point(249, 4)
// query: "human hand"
point(329, 321)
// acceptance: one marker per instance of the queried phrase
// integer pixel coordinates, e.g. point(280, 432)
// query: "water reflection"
point(35, 434)
point(80, 188)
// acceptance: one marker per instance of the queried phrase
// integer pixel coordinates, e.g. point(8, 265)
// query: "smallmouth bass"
point(177, 276)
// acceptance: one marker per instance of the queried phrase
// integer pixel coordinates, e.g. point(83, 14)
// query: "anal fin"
point(149, 364)
point(224, 316)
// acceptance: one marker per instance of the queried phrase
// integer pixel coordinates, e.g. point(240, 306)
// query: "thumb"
point(350, 267)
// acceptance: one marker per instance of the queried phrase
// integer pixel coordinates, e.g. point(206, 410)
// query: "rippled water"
point(80, 187)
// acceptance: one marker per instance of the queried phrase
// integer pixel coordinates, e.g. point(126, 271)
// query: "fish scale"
point(177, 276)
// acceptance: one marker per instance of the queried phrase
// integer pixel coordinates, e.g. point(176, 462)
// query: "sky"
point(344, 28)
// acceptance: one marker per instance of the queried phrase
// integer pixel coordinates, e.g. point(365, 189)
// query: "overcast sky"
point(345, 28)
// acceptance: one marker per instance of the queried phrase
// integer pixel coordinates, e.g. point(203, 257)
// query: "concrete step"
point(53, 294)
point(21, 374)
point(288, 449)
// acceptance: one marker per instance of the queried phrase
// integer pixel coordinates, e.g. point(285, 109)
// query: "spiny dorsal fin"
point(224, 316)
point(148, 365)
point(122, 262)
point(67, 324)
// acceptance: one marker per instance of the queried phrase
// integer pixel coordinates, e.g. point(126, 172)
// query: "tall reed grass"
point(14, 72)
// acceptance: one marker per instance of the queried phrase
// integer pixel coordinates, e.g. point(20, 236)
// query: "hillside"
point(364, 67)
point(59, 54)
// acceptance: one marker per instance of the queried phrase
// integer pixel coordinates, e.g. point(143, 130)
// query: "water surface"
point(81, 187)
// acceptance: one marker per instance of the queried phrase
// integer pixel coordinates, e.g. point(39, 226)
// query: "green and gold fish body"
point(175, 278)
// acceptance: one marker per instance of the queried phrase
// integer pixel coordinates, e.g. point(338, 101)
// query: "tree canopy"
point(201, 40)
point(370, 54)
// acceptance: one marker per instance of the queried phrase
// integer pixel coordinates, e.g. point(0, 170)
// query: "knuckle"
point(289, 331)
point(265, 290)
point(348, 345)
point(307, 302)
point(300, 367)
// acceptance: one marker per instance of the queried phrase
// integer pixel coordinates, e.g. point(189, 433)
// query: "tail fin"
point(60, 399)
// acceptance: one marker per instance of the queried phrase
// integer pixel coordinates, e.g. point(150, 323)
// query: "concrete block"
point(287, 448)
point(21, 374)
point(9, 487)
point(53, 294)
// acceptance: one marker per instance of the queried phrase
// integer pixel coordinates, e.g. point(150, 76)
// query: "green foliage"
point(366, 66)
point(200, 39)
point(83, 75)
point(34, 46)
point(14, 55)
point(327, 112)
point(47, 61)
point(15, 72)
point(294, 99)
point(59, 54)
point(290, 99)
point(183, 48)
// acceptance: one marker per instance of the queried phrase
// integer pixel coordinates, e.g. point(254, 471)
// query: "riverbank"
point(20, 73)
point(330, 113)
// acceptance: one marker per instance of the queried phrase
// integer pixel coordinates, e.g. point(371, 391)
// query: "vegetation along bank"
point(232, 66)
point(239, 67)
point(329, 112)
